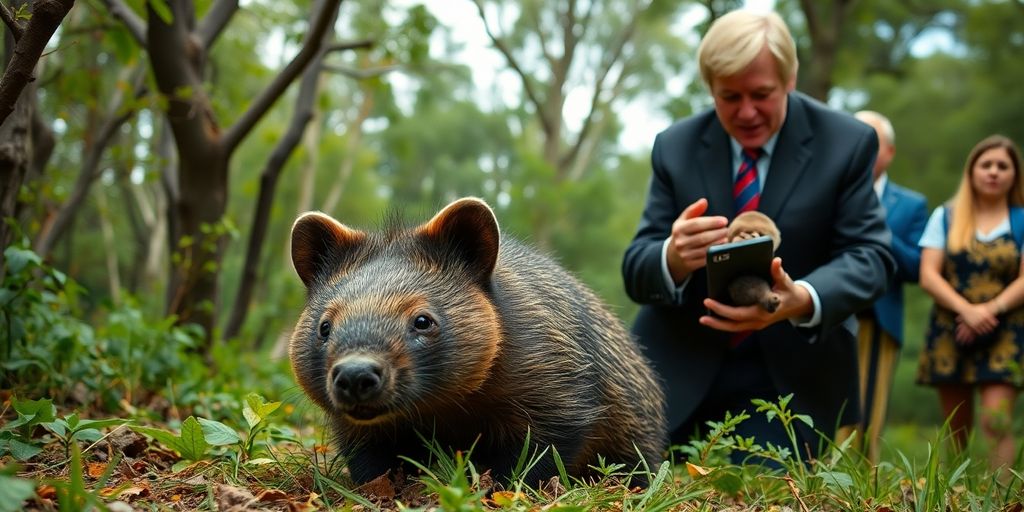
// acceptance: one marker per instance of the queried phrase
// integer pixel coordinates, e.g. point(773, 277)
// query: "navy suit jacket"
point(906, 213)
point(818, 191)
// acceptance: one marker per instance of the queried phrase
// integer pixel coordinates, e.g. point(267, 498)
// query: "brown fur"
point(749, 290)
point(514, 344)
point(751, 224)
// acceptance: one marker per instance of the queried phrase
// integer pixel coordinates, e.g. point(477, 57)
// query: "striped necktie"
point(746, 195)
point(746, 191)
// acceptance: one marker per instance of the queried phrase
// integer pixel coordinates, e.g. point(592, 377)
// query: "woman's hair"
point(962, 225)
point(735, 40)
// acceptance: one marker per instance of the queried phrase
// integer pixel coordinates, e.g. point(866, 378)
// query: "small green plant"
point(256, 411)
point(719, 440)
point(16, 437)
point(787, 417)
point(191, 443)
point(71, 428)
point(454, 492)
point(199, 436)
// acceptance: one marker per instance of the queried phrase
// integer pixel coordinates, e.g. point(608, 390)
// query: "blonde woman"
point(971, 266)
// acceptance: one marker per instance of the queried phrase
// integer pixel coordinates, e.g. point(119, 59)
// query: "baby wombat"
point(457, 333)
point(749, 290)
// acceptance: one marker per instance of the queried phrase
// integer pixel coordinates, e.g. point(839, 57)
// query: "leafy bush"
point(51, 351)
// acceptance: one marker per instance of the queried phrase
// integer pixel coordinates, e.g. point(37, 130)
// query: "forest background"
point(164, 148)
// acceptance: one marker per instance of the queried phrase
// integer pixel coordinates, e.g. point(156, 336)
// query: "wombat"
point(455, 332)
point(749, 290)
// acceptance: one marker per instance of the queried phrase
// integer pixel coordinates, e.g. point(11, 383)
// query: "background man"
point(881, 327)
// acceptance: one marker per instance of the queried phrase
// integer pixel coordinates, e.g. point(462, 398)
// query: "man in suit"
point(810, 169)
point(881, 327)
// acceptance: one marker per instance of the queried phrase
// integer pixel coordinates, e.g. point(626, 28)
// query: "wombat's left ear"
point(320, 244)
point(467, 227)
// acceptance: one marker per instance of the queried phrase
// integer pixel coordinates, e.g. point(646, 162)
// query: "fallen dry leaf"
point(271, 495)
point(295, 506)
point(96, 469)
point(132, 491)
point(231, 497)
point(696, 471)
point(506, 498)
point(46, 492)
point(380, 487)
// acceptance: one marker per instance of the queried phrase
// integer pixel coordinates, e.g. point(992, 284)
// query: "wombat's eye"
point(422, 323)
point(325, 329)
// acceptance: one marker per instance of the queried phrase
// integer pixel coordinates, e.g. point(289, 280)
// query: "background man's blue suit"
point(906, 213)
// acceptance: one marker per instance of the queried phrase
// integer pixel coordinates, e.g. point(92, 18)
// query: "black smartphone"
point(726, 262)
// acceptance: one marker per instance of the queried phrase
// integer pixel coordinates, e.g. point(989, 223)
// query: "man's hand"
point(692, 234)
point(795, 302)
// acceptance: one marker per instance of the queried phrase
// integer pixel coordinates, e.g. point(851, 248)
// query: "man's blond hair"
point(735, 40)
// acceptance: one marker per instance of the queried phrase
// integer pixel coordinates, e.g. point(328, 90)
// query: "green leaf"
point(164, 437)
point(6, 295)
point(32, 412)
point(58, 427)
point(18, 259)
point(98, 424)
point(728, 482)
point(806, 419)
point(162, 10)
point(23, 451)
point(13, 492)
point(836, 479)
point(193, 443)
point(218, 434)
point(89, 435)
point(41, 410)
point(256, 409)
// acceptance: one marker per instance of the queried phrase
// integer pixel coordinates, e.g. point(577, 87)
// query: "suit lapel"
point(716, 170)
point(792, 154)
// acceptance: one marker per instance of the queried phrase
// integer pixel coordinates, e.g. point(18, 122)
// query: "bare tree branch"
point(46, 17)
point(116, 115)
point(133, 22)
point(350, 45)
point(11, 21)
point(361, 74)
point(266, 99)
point(541, 33)
point(305, 103)
point(599, 89)
point(211, 26)
point(527, 81)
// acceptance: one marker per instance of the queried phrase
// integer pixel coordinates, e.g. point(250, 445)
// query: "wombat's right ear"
point(319, 243)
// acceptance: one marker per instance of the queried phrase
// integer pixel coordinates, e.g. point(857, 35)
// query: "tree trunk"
point(177, 52)
point(15, 147)
point(825, 22)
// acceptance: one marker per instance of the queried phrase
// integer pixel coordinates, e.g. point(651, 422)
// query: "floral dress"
point(978, 274)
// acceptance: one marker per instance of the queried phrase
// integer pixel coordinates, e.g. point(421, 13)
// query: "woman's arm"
point(981, 318)
point(1012, 296)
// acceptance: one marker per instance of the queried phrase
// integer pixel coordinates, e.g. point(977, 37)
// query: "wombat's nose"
point(357, 381)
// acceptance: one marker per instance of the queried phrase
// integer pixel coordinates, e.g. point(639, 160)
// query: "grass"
point(269, 460)
point(121, 409)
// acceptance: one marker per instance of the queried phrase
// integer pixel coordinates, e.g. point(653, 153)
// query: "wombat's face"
point(398, 325)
